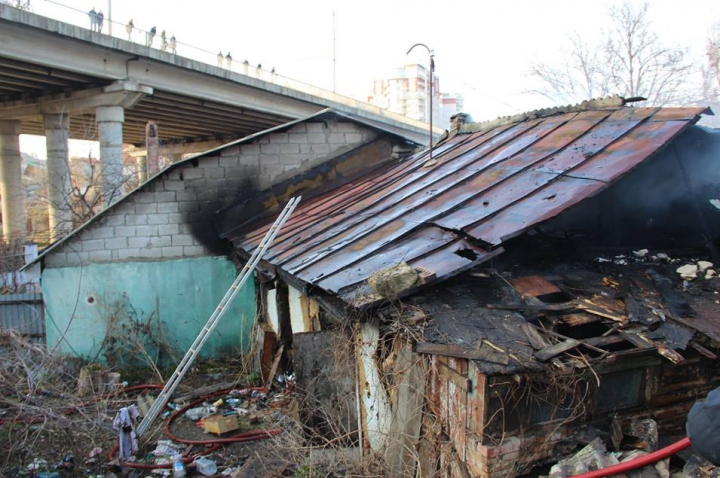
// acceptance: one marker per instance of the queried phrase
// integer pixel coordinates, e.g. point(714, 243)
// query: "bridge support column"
point(57, 131)
point(11, 190)
point(142, 169)
point(110, 126)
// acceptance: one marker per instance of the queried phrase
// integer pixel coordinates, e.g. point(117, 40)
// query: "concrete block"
point(182, 240)
point(188, 206)
point(270, 171)
point(337, 138)
point(139, 242)
point(115, 218)
point(144, 198)
point(193, 173)
point(56, 259)
point(165, 196)
point(103, 232)
point(354, 138)
point(124, 254)
point(155, 219)
point(230, 151)
point(317, 138)
point(155, 253)
point(101, 256)
point(146, 231)
point(305, 149)
point(174, 185)
point(136, 219)
point(161, 241)
point(315, 127)
point(249, 159)
point(195, 185)
point(211, 162)
point(279, 138)
point(146, 208)
point(175, 218)
point(125, 231)
point(172, 251)
point(185, 195)
point(193, 251)
point(214, 173)
point(230, 162)
point(116, 243)
point(93, 245)
point(77, 258)
point(323, 148)
point(249, 149)
point(270, 148)
point(262, 140)
point(289, 148)
point(299, 138)
point(269, 158)
point(167, 207)
point(169, 229)
point(345, 127)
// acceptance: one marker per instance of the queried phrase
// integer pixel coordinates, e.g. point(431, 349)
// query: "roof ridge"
point(614, 101)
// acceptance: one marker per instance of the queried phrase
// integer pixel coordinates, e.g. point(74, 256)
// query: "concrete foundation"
point(57, 128)
point(13, 204)
point(110, 126)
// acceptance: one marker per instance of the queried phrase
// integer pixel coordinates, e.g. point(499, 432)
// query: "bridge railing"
point(65, 13)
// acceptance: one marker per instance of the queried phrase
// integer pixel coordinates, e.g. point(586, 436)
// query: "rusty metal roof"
point(454, 212)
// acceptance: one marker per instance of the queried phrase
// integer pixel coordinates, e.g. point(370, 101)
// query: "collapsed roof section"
point(446, 214)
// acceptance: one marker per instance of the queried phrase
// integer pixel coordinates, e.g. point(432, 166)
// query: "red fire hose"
point(214, 444)
point(639, 462)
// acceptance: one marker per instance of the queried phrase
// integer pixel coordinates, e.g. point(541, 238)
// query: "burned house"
point(149, 270)
point(501, 300)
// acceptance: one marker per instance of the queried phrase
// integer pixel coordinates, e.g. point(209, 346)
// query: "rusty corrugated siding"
point(485, 188)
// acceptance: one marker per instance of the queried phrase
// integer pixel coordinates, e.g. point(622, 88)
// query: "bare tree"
point(630, 61)
point(711, 70)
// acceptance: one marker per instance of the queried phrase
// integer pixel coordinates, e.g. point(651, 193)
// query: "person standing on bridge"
point(228, 61)
point(150, 36)
point(100, 20)
point(93, 19)
point(220, 59)
point(129, 29)
point(163, 41)
point(173, 45)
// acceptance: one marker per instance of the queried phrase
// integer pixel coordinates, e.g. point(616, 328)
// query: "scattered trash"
point(704, 265)
point(709, 274)
point(37, 464)
point(641, 253)
point(178, 467)
point(95, 452)
point(205, 466)
point(124, 424)
point(197, 413)
point(166, 448)
point(688, 271)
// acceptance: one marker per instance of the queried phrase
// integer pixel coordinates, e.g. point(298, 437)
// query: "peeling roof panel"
point(454, 212)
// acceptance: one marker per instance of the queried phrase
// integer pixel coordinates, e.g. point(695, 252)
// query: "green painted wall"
point(105, 311)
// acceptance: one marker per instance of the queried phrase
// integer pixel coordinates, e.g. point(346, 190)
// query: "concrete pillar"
point(11, 190)
point(110, 127)
point(152, 146)
point(57, 130)
point(142, 169)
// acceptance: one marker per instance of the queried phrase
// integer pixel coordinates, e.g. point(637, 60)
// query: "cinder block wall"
point(170, 217)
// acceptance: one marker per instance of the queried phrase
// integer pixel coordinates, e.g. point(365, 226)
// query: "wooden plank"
point(703, 350)
point(561, 307)
point(487, 354)
point(273, 369)
point(549, 352)
point(534, 286)
point(574, 320)
point(637, 340)
point(536, 339)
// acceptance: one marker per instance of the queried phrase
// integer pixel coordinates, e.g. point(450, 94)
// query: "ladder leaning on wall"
point(202, 337)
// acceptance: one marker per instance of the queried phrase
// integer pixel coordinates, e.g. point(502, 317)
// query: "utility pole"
point(110, 17)
point(334, 57)
point(432, 70)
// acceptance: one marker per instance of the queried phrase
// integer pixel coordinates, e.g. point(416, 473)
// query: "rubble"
point(688, 271)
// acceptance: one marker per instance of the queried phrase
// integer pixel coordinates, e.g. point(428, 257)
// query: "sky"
point(482, 49)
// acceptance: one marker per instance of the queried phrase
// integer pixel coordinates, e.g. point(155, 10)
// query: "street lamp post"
point(432, 69)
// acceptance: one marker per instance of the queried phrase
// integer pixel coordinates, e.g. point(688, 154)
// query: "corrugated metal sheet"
point(24, 314)
point(485, 188)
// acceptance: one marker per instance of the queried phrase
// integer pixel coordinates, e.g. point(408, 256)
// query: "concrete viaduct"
point(63, 81)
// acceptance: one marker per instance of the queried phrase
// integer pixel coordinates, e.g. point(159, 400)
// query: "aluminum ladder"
point(202, 337)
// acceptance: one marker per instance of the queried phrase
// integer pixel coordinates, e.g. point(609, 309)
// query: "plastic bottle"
point(178, 467)
point(206, 466)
